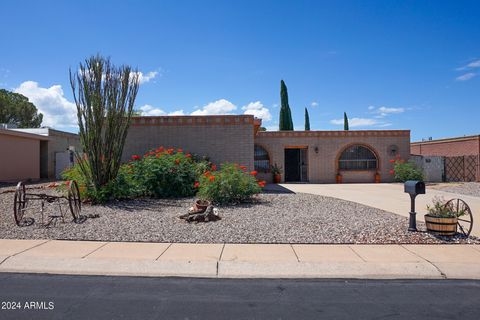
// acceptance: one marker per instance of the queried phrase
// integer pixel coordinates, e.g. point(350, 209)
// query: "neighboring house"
point(57, 153)
point(461, 156)
point(20, 155)
point(304, 156)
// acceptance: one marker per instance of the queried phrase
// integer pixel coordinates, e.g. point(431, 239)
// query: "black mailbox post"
point(413, 188)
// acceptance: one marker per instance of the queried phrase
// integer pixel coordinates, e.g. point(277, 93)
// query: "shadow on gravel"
point(276, 189)
point(143, 204)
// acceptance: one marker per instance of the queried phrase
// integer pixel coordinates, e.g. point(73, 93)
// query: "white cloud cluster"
point(258, 110)
point(144, 78)
point(466, 76)
point(221, 106)
point(356, 122)
point(314, 104)
point(148, 110)
point(382, 112)
point(469, 75)
point(57, 111)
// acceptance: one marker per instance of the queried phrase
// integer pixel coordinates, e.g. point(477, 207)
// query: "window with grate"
point(357, 157)
point(261, 159)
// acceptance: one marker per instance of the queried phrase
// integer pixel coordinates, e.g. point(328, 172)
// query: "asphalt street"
point(29, 296)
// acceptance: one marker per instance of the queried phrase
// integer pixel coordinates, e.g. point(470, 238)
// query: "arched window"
point(261, 159)
point(357, 157)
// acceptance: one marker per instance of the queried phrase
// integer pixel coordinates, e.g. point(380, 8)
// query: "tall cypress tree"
point(307, 120)
point(345, 121)
point(285, 121)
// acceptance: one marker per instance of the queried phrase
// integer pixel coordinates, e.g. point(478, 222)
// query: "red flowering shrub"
point(404, 171)
point(165, 173)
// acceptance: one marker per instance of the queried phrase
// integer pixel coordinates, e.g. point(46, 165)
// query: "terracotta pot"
point(377, 177)
point(277, 178)
point(339, 178)
point(441, 226)
point(202, 204)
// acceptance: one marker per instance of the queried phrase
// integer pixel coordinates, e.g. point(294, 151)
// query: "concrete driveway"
point(387, 196)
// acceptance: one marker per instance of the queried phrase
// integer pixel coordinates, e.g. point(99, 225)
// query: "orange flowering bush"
point(230, 184)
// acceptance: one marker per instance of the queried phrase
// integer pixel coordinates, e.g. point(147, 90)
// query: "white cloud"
point(258, 110)
point(148, 110)
point(221, 106)
point(177, 113)
point(384, 111)
point(57, 111)
point(466, 76)
point(473, 64)
point(383, 125)
point(356, 122)
point(314, 104)
point(144, 78)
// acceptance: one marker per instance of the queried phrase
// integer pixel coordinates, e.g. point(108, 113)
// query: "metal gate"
point(462, 168)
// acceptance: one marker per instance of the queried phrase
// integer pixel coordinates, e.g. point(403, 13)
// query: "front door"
point(295, 164)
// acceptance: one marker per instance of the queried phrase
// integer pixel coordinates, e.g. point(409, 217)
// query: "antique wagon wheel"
point(75, 202)
point(20, 204)
point(464, 215)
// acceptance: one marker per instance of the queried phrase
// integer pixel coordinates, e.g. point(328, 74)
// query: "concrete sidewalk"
point(241, 260)
point(387, 196)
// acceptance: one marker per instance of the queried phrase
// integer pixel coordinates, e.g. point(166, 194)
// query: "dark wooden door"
point(292, 165)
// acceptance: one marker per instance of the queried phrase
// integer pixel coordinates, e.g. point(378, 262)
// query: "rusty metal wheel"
point(20, 205)
point(464, 215)
point(74, 202)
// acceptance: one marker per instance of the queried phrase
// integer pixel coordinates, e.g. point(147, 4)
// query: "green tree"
point(345, 121)
point(307, 120)
point(104, 95)
point(16, 109)
point(285, 122)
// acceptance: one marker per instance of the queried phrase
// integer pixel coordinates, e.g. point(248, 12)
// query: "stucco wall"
point(60, 142)
point(225, 138)
point(322, 166)
point(20, 158)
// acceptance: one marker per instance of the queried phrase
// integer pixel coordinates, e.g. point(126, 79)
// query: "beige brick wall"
point(322, 165)
point(222, 138)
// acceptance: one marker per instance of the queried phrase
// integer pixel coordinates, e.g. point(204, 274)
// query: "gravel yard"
point(272, 218)
point(466, 188)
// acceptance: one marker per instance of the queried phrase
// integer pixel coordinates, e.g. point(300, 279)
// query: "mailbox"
point(414, 187)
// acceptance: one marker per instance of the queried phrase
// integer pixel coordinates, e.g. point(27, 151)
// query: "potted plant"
point(202, 204)
point(442, 219)
point(277, 173)
point(338, 178)
point(377, 177)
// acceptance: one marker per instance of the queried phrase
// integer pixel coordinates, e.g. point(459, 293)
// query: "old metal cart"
point(25, 201)
point(464, 215)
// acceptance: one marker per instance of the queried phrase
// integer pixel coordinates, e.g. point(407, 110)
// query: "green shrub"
point(122, 187)
point(231, 184)
point(404, 171)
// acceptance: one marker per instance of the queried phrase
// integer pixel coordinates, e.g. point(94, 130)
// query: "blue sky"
point(388, 64)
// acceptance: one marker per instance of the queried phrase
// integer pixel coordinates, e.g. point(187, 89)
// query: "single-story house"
point(20, 155)
point(57, 153)
point(40, 153)
point(304, 156)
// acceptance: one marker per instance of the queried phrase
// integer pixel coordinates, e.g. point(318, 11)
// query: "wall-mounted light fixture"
point(316, 149)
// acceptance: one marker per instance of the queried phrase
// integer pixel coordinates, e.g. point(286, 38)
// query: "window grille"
point(261, 159)
point(357, 158)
